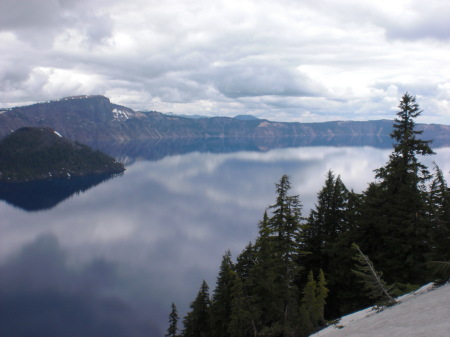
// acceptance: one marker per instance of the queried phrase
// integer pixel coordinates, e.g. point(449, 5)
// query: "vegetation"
point(40, 153)
point(401, 222)
point(173, 322)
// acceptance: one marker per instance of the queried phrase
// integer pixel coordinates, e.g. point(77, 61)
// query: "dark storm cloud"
point(42, 296)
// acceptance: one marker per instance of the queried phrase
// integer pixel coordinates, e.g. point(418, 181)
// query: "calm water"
point(110, 259)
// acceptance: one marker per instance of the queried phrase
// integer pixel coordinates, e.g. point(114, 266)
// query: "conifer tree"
point(440, 217)
point(173, 322)
point(281, 232)
point(371, 278)
point(196, 322)
point(241, 318)
point(220, 309)
point(326, 222)
point(309, 303)
point(321, 295)
point(395, 209)
point(327, 236)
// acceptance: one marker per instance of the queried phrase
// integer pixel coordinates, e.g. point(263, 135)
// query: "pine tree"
point(321, 295)
point(395, 210)
point(327, 221)
point(283, 230)
point(371, 278)
point(327, 237)
point(440, 217)
point(241, 318)
point(220, 309)
point(196, 322)
point(309, 303)
point(173, 322)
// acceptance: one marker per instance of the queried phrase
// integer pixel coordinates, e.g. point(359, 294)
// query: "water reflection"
point(45, 194)
point(156, 149)
point(131, 246)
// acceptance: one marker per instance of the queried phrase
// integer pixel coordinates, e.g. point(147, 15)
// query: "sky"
point(284, 60)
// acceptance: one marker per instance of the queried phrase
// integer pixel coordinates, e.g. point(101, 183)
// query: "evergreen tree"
point(220, 309)
point(245, 262)
point(371, 278)
point(440, 217)
point(263, 283)
point(173, 322)
point(395, 209)
point(321, 295)
point(269, 269)
point(241, 322)
point(282, 231)
point(196, 322)
point(327, 221)
point(309, 303)
point(327, 236)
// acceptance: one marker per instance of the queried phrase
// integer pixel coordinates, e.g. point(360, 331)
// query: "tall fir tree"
point(440, 217)
point(321, 295)
point(309, 298)
point(395, 210)
point(284, 227)
point(269, 268)
point(173, 322)
point(220, 309)
point(327, 236)
point(241, 322)
point(196, 322)
point(329, 218)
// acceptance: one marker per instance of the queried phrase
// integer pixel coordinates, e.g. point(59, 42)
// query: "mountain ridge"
point(94, 118)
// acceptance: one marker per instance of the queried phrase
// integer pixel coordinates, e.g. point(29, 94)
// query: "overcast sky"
point(286, 60)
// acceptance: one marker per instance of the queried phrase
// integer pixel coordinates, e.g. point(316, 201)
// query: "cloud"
point(42, 295)
point(226, 57)
point(265, 80)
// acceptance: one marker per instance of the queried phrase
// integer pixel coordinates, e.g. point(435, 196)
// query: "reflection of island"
point(45, 194)
point(156, 149)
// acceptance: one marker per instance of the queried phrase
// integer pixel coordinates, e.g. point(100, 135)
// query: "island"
point(38, 153)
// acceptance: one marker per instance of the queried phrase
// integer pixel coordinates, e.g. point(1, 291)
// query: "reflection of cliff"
point(46, 194)
point(155, 149)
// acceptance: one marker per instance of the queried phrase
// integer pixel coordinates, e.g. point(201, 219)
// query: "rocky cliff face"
point(91, 119)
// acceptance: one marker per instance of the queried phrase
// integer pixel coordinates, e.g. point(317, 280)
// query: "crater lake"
point(109, 256)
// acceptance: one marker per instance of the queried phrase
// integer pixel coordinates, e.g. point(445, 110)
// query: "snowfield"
point(423, 313)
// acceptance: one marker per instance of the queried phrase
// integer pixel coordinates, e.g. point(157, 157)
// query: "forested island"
point(354, 250)
point(35, 153)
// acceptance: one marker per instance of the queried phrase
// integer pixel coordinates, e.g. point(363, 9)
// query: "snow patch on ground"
point(425, 312)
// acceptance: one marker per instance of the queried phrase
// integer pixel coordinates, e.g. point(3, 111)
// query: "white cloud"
point(295, 60)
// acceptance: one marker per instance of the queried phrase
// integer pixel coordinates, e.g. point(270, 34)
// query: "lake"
point(109, 257)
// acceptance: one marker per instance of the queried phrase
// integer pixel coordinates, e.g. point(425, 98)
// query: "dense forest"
point(352, 251)
point(41, 153)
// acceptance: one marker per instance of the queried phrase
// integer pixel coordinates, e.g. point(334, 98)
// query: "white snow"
point(423, 313)
point(120, 115)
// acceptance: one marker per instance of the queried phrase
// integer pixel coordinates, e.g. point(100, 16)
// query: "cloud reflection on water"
point(161, 229)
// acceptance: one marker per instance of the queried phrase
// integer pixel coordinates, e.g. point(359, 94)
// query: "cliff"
point(91, 119)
